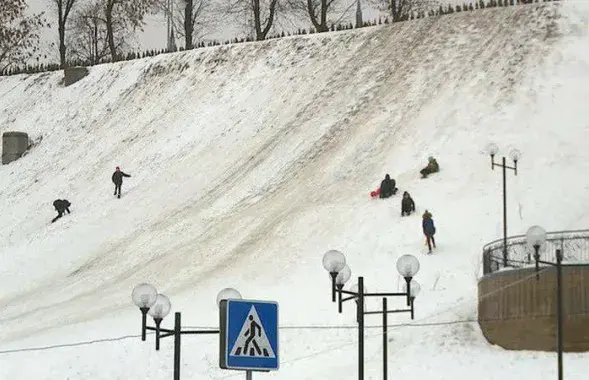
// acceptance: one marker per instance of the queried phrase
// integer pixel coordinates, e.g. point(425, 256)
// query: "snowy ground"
point(250, 161)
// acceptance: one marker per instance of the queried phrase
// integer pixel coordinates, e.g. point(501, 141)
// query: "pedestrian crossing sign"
point(248, 335)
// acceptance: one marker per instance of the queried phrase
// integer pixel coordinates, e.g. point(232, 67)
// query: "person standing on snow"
point(61, 206)
point(117, 179)
point(407, 204)
point(429, 230)
point(388, 187)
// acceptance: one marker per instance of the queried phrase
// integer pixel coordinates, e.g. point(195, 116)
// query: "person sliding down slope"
point(388, 187)
point(117, 179)
point(432, 167)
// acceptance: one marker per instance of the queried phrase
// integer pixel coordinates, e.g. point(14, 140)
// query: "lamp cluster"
point(158, 306)
point(492, 149)
point(340, 273)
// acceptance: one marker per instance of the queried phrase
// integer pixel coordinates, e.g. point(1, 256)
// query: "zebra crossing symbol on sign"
point(252, 340)
point(248, 335)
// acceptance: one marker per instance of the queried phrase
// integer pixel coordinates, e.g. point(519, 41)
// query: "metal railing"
point(574, 246)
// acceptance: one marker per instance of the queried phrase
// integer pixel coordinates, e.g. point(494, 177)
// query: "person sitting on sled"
point(387, 187)
point(432, 167)
point(407, 204)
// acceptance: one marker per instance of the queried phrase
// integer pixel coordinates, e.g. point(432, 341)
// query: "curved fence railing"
point(573, 244)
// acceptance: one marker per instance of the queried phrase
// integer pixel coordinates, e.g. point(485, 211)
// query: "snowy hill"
point(250, 161)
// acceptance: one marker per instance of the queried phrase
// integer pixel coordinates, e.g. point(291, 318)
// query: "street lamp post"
point(335, 263)
point(536, 236)
point(158, 306)
point(515, 155)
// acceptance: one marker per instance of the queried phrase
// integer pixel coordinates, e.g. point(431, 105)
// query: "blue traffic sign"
point(249, 335)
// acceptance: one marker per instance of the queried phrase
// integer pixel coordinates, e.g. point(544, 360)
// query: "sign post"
point(248, 338)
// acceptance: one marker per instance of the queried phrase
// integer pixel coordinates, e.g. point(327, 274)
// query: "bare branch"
point(89, 42)
point(402, 9)
point(260, 15)
point(18, 33)
point(64, 9)
point(129, 14)
point(191, 19)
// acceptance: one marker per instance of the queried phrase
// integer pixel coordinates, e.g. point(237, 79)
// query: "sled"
point(375, 193)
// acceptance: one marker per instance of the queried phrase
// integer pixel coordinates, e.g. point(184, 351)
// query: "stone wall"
point(518, 312)
point(14, 145)
point(74, 74)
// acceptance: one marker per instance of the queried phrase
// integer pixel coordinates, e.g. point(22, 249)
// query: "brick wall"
point(518, 312)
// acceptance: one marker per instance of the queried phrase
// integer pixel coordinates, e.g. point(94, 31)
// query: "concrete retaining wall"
point(73, 74)
point(14, 145)
point(517, 312)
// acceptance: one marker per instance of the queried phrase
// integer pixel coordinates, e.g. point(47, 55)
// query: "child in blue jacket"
point(429, 230)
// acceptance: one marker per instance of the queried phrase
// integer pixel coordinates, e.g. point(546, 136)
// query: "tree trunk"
point(270, 21)
point(61, 30)
point(320, 26)
point(62, 48)
point(323, 16)
point(110, 32)
point(257, 21)
point(188, 25)
point(95, 55)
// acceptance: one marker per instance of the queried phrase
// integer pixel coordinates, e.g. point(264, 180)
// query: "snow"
point(248, 162)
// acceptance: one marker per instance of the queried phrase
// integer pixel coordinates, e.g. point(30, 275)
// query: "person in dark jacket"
point(429, 230)
point(117, 179)
point(432, 167)
point(407, 204)
point(387, 187)
point(61, 205)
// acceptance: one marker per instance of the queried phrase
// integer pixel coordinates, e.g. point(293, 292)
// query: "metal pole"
point(536, 258)
point(248, 375)
point(504, 214)
point(412, 308)
point(339, 302)
point(384, 339)
point(360, 328)
point(559, 310)
point(144, 322)
point(168, 11)
point(408, 282)
point(158, 322)
point(177, 336)
point(333, 277)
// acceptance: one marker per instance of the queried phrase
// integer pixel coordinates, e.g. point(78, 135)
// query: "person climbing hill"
point(61, 206)
point(432, 167)
point(429, 230)
point(388, 187)
point(407, 204)
point(117, 179)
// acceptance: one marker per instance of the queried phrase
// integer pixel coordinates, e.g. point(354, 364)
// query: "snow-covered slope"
point(249, 161)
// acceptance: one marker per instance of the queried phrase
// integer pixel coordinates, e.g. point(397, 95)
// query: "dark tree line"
point(95, 47)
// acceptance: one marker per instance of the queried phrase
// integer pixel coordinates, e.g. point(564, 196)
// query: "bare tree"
point(89, 42)
point(19, 39)
point(128, 14)
point(261, 14)
point(189, 19)
point(64, 8)
point(319, 11)
point(401, 9)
